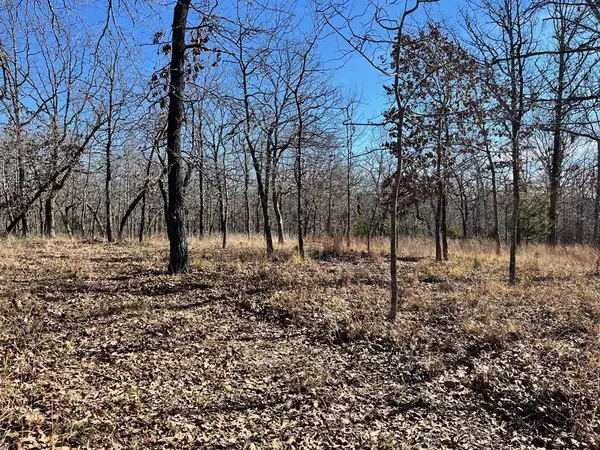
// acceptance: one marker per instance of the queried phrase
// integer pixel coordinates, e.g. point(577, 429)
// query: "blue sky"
point(359, 76)
point(353, 72)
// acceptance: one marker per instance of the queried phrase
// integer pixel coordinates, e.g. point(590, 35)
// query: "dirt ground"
point(100, 349)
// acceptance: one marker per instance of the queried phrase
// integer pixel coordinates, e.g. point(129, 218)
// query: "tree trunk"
point(512, 267)
point(299, 179)
point(440, 191)
point(329, 200)
point(200, 153)
point(107, 183)
point(444, 180)
point(444, 228)
point(264, 202)
point(201, 196)
point(597, 199)
point(348, 187)
point(21, 170)
point(557, 144)
point(246, 196)
point(223, 221)
point(130, 210)
point(49, 230)
point(95, 219)
point(224, 205)
point(178, 261)
point(142, 218)
point(438, 221)
point(496, 230)
point(393, 247)
point(257, 217)
point(276, 198)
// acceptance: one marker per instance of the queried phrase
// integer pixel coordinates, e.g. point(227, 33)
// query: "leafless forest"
point(299, 224)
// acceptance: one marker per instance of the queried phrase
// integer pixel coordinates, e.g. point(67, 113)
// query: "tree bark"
point(557, 149)
point(440, 191)
point(348, 187)
point(444, 173)
point(22, 176)
point(178, 257)
point(107, 181)
point(49, 229)
point(496, 230)
point(276, 199)
point(246, 196)
point(299, 177)
point(512, 267)
point(444, 228)
point(329, 200)
point(597, 199)
point(142, 218)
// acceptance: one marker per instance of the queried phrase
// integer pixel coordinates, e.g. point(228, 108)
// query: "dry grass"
point(101, 349)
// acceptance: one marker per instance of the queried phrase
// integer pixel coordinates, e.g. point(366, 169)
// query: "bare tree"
point(505, 44)
point(388, 29)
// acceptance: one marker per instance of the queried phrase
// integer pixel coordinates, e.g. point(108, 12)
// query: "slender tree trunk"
point(49, 230)
point(464, 218)
point(397, 176)
point(142, 218)
point(257, 217)
point(444, 228)
point(200, 153)
point(178, 261)
point(95, 219)
point(22, 176)
point(66, 220)
point(348, 187)
point(222, 221)
point(329, 200)
point(444, 179)
point(597, 199)
point(557, 152)
point(306, 219)
point(41, 216)
point(224, 200)
point(496, 230)
point(263, 188)
point(557, 144)
point(140, 197)
point(107, 185)
point(393, 246)
point(246, 196)
point(506, 215)
point(512, 268)
point(276, 199)
point(438, 221)
point(85, 196)
point(299, 178)
point(264, 201)
point(440, 191)
point(201, 195)
point(263, 192)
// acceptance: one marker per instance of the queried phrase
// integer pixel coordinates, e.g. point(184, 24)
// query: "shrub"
point(454, 232)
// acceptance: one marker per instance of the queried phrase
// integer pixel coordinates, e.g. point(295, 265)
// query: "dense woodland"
point(116, 125)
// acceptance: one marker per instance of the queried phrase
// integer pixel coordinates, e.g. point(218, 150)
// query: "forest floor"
point(100, 349)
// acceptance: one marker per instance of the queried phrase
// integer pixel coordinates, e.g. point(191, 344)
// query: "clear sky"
point(358, 76)
point(352, 72)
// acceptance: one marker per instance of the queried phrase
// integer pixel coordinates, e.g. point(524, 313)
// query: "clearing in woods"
point(100, 349)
